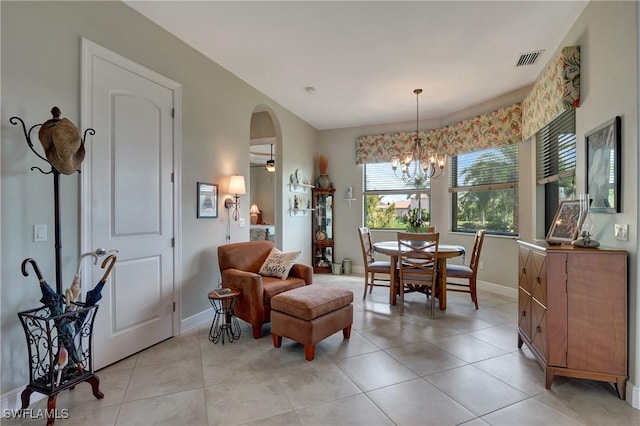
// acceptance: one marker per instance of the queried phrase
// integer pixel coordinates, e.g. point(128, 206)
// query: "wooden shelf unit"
point(322, 227)
point(573, 311)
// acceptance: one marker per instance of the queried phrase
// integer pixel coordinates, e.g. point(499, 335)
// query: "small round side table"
point(225, 324)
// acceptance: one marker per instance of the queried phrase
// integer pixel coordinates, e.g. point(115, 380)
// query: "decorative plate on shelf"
point(292, 178)
point(299, 176)
point(321, 235)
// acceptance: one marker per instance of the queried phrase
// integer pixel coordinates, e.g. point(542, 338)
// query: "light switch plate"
point(241, 222)
point(621, 232)
point(39, 233)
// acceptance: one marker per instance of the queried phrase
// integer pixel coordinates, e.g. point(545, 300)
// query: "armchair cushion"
point(273, 286)
point(278, 264)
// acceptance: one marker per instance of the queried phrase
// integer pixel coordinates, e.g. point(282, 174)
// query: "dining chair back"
point(371, 265)
point(467, 274)
point(418, 264)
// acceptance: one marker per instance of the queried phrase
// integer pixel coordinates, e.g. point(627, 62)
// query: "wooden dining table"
point(445, 251)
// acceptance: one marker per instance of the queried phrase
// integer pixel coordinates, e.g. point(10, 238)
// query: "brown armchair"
point(239, 265)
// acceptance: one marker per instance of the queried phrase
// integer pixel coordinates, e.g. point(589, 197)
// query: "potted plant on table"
point(416, 220)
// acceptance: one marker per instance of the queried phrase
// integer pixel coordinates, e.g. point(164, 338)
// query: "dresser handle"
point(524, 270)
point(538, 280)
point(538, 329)
point(524, 313)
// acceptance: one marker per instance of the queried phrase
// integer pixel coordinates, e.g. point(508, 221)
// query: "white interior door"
point(129, 176)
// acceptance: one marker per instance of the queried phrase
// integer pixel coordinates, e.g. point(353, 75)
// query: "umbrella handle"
point(112, 258)
point(89, 253)
point(35, 268)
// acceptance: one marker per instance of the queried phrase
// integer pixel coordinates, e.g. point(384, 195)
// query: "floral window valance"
point(556, 90)
point(499, 127)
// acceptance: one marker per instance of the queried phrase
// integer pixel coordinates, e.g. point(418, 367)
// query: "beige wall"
point(41, 68)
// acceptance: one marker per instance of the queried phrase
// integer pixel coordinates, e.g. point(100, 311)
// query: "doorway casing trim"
point(89, 49)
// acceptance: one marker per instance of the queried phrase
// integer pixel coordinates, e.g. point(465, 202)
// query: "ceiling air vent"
point(529, 58)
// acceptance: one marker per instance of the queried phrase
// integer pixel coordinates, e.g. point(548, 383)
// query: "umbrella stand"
point(43, 341)
point(50, 333)
point(45, 328)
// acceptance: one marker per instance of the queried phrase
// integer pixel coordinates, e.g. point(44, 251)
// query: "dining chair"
point(468, 273)
point(372, 266)
point(418, 264)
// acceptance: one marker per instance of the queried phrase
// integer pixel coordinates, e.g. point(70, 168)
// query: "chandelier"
point(271, 163)
point(419, 164)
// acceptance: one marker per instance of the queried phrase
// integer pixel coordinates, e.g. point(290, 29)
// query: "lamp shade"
point(254, 209)
point(236, 185)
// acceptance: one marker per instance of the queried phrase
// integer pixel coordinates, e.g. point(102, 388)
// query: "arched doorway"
point(265, 189)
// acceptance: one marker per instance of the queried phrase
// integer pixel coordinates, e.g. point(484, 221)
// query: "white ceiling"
point(365, 58)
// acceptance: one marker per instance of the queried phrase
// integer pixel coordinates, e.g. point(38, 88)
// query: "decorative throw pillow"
point(278, 264)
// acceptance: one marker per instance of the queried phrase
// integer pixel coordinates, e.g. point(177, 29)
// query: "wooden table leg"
point(442, 283)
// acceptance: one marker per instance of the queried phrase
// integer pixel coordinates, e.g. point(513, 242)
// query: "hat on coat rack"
point(62, 143)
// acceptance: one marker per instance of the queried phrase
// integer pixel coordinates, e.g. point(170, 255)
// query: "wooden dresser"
point(573, 311)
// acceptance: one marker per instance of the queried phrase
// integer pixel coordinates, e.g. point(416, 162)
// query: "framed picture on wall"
point(603, 166)
point(566, 223)
point(207, 200)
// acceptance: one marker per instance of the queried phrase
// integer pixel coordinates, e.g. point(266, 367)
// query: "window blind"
point(379, 178)
point(493, 168)
point(556, 149)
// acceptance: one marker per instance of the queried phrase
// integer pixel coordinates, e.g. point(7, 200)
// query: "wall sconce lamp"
point(236, 187)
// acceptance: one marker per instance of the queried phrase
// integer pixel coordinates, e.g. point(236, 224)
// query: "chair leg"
point(346, 332)
point(373, 277)
point(309, 352)
point(401, 294)
point(433, 303)
point(366, 285)
point(474, 293)
point(257, 331)
point(277, 340)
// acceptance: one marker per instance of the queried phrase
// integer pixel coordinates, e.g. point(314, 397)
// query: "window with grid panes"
point(556, 162)
point(387, 198)
point(484, 187)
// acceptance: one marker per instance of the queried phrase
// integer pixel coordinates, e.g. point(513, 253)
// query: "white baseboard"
point(358, 269)
point(633, 395)
point(498, 289)
point(11, 400)
point(195, 321)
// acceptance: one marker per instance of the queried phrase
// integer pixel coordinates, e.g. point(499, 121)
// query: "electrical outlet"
point(621, 232)
point(241, 222)
point(481, 265)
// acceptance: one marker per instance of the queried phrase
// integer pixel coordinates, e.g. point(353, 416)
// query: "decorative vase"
point(323, 181)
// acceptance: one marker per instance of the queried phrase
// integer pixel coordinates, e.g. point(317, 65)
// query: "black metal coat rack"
point(55, 111)
point(49, 331)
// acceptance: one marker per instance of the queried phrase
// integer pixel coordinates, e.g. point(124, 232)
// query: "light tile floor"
point(463, 367)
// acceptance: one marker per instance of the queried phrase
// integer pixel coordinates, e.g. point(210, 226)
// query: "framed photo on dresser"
point(566, 223)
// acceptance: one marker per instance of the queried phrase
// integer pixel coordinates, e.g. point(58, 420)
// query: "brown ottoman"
point(310, 314)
